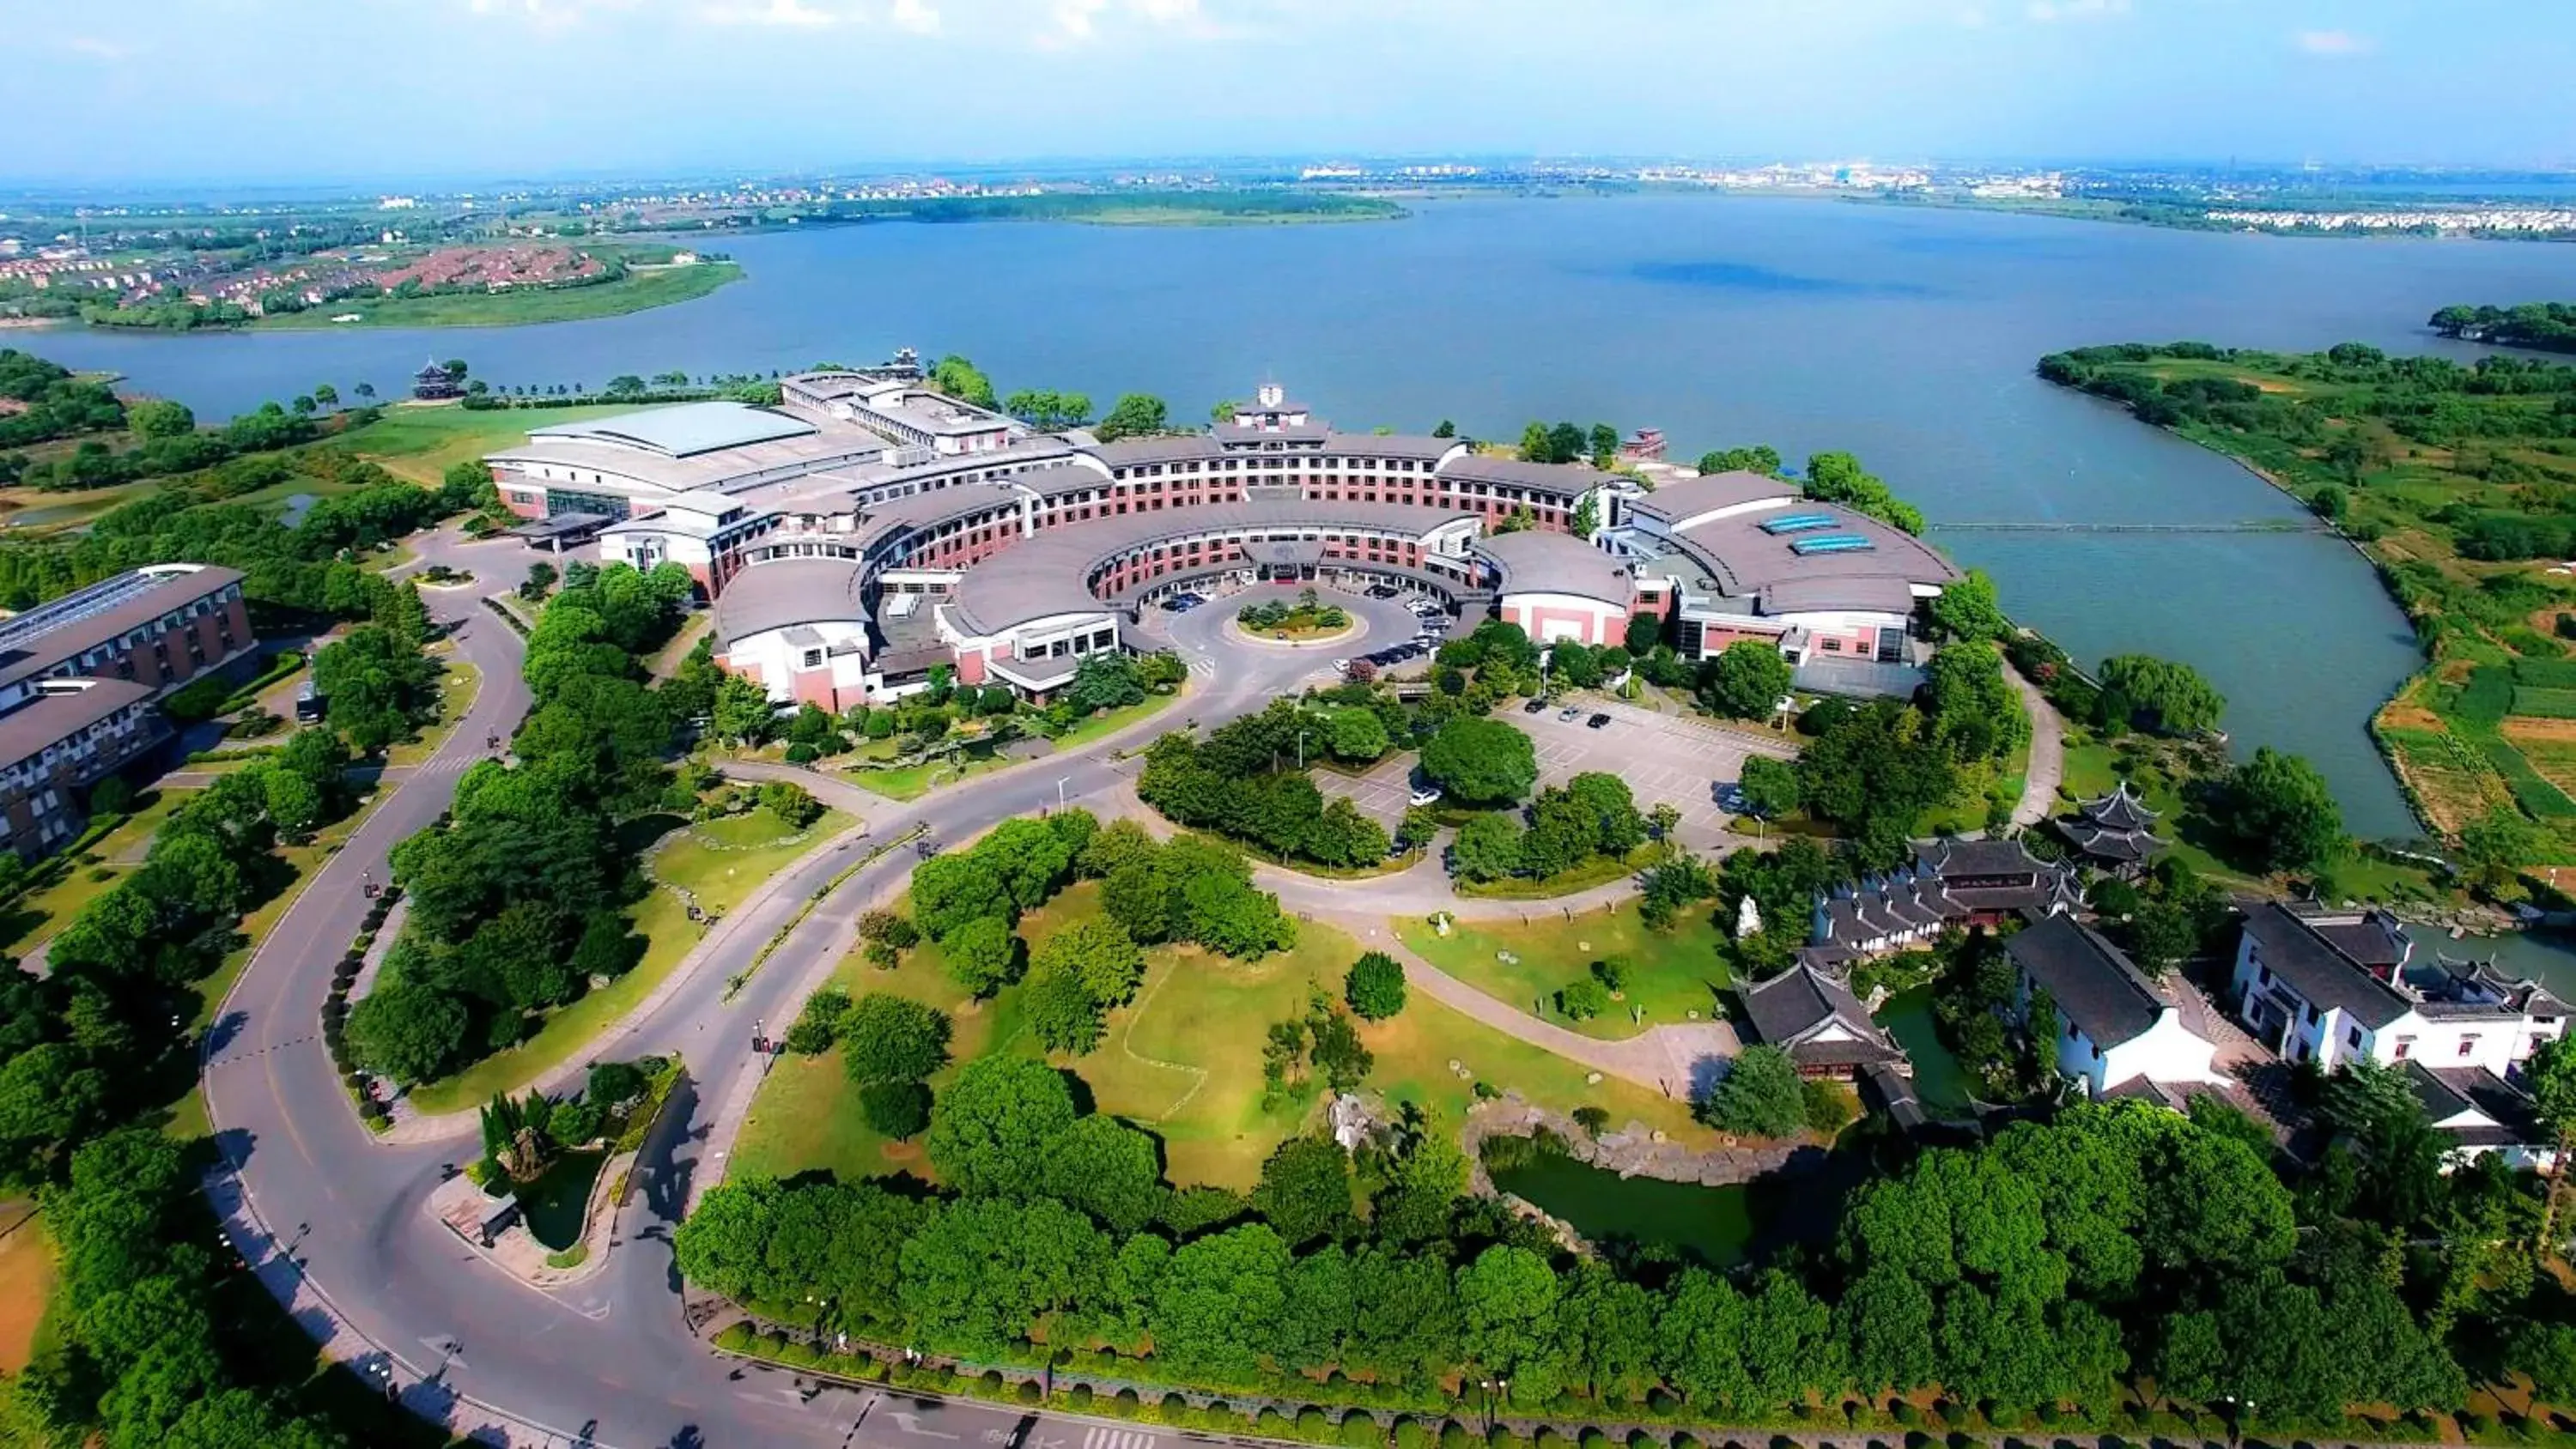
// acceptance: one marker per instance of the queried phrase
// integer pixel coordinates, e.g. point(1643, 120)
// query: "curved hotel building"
point(868, 528)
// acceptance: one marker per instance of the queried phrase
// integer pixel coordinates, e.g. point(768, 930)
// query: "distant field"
point(420, 442)
point(638, 290)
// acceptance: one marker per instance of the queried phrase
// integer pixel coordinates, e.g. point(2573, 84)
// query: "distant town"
point(244, 258)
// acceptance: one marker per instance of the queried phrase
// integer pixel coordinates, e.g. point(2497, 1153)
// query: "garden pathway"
point(1676, 1060)
point(2047, 754)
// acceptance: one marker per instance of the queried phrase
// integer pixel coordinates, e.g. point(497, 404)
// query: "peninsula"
point(2451, 477)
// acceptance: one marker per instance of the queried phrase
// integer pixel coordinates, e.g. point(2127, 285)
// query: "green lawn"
point(1671, 973)
point(2090, 770)
point(1110, 721)
point(806, 1117)
point(641, 288)
point(914, 781)
point(721, 862)
point(1415, 1047)
point(420, 442)
point(1183, 1061)
point(34, 917)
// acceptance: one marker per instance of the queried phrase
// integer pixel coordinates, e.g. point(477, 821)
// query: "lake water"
point(1905, 335)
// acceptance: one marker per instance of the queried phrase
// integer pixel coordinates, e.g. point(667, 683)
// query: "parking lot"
point(1663, 759)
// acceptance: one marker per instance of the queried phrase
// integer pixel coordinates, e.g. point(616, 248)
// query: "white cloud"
point(787, 14)
point(97, 49)
point(2048, 10)
point(2333, 42)
point(915, 16)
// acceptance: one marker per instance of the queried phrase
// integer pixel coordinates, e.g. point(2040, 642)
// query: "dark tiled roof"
point(2315, 966)
point(2119, 810)
point(2447, 1092)
point(2107, 843)
point(41, 651)
point(59, 713)
point(1790, 1007)
point(2095, 985)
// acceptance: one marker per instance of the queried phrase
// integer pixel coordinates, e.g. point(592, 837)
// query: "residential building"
point(79, 676)
point(2333, 987)
point(2115, 1029)
point(1950, 882)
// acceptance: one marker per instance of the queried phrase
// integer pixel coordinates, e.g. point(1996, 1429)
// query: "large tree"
point(1746, 680)
point(1135, 415)
point(992, 1129)
point(2280, 813)
point(1480, 761)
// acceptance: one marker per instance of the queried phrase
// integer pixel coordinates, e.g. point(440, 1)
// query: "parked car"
point(1535, 706)
point(1598, 721)
point(1570, 713)
point(1424, 795)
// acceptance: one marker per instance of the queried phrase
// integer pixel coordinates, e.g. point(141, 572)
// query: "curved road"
point(332, 1215)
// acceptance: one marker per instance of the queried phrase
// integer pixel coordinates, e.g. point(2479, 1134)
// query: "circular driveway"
point(1215, 650)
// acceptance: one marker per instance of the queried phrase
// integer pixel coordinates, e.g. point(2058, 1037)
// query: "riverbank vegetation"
point(2453, 478)
point(633, 288)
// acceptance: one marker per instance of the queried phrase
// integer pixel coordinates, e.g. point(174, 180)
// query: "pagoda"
point(433, 383)
point(2113, 833)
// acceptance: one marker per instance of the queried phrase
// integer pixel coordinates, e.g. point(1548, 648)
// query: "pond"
point(1713, 1224)
point(552, 1205)
point(1939, 1081)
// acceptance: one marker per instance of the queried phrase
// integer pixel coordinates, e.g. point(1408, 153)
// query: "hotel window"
point(2468, 1046)
point(2405, 1047)
point(2352, 1037)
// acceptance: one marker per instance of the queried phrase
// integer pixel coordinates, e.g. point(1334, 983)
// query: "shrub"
point(802, 754)
point(1270, 1423)
point(1375, 987)
point(1314, 1425)
point(1028, 1391)
point(1360, 1431)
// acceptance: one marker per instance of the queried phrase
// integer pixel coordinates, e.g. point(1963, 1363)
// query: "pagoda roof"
point(2119, 810)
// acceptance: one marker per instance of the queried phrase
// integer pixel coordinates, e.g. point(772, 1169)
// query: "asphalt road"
point(332, 1216)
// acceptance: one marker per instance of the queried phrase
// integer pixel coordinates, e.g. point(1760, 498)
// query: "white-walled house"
point(2116, 1029)
point(2333, 987)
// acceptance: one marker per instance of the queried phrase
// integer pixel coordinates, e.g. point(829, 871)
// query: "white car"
point(1425, 795)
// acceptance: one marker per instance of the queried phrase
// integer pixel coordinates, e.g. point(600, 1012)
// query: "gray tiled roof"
point(57, 714)
point(785, 592)
point(2312, 966)
point(1538, 560)
point(1564, 479)
point(179, 587)
point(685, 429)
point(2095, 985)
point(1793, 1005)
point(1686, 497)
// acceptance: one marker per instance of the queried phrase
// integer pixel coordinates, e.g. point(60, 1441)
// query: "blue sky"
point(182, 90)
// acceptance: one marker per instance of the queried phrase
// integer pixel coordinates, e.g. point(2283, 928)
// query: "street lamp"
point(1059, 793)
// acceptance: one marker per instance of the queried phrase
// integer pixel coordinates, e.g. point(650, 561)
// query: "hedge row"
point(1360, 1428)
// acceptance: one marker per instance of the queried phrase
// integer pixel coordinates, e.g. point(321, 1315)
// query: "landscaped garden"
point(1562, 968)
point(1308, 618)
point(714, 863)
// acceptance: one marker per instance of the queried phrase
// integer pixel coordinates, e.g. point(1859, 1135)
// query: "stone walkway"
point(2047, 754)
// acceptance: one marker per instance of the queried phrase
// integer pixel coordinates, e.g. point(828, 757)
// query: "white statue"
point(1748, 919)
